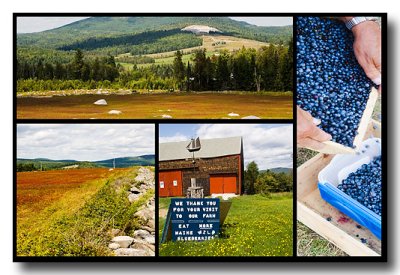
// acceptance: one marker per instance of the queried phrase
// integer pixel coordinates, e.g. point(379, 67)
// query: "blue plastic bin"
point(337, 170)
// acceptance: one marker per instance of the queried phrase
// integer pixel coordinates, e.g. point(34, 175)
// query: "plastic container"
point(339, 169)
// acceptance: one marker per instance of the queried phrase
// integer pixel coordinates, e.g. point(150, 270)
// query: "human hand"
point(367, 49)
point(308, 134)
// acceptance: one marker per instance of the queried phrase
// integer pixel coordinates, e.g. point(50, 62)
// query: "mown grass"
point(177, 105)
point(78, 223)
point(255, 226)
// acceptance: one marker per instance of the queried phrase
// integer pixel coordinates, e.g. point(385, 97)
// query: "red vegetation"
point(42, 188)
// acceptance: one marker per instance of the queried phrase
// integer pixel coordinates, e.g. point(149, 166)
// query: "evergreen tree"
point(178, 69)
point(77, 64)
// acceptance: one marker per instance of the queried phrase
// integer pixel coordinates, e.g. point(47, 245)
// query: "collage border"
point(156, 122)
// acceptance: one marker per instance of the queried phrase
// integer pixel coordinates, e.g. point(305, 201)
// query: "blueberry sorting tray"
point(337, 170)
point(326, 220)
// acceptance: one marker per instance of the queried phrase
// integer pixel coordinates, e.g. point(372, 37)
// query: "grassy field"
point(176, 105)
point(70, 212)
point(255, 226)
point(212, 43)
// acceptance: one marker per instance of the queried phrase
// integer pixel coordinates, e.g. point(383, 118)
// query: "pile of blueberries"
point(331, 85)
point(364, 185)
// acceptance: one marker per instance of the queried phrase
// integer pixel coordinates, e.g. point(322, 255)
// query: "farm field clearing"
point(212, 43)
point(52, 208)
point(177, 105)
point(255, 226)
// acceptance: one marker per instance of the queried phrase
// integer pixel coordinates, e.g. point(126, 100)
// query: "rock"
point(130, 252)
point(144, 246)
point(147, 228)
point(100, 102)
point(134, 190)
point(133, 197)
point(123, 241)
point(146, 214)
point(251, 117)
point(114, 246)
point(150, 240)
point(233, 114)
point(143, 187)
point(166, 116)
point(152, 224)
point(142, 233)
point(114, 112)
point(114, 232)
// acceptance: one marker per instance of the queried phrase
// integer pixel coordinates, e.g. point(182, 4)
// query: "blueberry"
point(363, 240)
point(328, 68)
point(364, 186)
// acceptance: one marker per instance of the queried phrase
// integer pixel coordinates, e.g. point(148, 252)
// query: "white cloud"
point(84, 141)
point(175, 138)
point(268, 147)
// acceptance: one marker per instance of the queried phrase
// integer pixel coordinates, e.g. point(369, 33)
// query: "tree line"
point(266, 182)
point(269, 68)
point(79, 68)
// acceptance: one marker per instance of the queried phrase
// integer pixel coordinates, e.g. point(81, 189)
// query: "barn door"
point(225, 183)
point(170, 183)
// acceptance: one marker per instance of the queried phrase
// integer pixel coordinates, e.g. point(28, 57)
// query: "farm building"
point(218, 167)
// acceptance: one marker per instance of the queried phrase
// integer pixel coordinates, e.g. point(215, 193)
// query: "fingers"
point(373, 73)
point(310, 144)
point(318, 135)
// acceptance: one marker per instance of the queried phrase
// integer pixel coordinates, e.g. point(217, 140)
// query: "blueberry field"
point(70, 213)
point(255, 226)
point(272, 105)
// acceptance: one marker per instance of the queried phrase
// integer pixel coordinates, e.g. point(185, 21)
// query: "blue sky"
point(269, 145)
point(38, 24)
point(84, 141)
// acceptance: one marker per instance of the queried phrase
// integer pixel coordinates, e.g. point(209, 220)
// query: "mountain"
point(279, 170)
point(48, 164)
point(108, 27)
point(128, 161)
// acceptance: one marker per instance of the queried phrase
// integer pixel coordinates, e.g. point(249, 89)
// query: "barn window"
point(161, 184)
point(175, 183)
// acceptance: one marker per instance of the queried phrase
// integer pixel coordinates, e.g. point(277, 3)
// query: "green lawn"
point(255, 226)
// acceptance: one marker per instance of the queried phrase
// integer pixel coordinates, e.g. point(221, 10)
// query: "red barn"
point(218, 167)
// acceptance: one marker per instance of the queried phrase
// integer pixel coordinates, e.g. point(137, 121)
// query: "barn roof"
point(210, 148)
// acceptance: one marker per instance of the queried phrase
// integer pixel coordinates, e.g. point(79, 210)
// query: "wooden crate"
point(336, 148)
point(313, 211)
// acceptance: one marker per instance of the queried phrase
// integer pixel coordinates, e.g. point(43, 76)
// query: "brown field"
point(153, 106)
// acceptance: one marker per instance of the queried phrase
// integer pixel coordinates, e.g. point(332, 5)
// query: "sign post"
point(194, 219)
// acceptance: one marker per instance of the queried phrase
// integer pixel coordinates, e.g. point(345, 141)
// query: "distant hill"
point(99, 28)
point(279, 170)
point(128, 161)
point(49, 164)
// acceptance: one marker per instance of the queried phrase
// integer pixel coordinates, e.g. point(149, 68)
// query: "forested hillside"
point(94, 53)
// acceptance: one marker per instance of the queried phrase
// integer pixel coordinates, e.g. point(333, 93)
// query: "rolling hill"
point(140, 35)
point(49, 164)
point(279, 170)
point(128, 161)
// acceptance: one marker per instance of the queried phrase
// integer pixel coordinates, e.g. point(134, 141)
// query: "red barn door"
point(225, 183)
point(170, 183)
